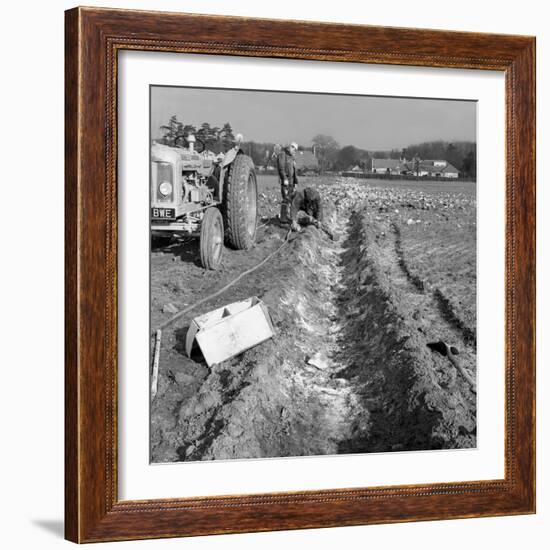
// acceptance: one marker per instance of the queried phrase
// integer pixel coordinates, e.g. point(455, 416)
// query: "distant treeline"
point(461, 154)
point(213, 138)
point(328, 152)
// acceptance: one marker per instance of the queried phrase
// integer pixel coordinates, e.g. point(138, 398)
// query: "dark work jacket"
point(286, 165)
point(308, 201)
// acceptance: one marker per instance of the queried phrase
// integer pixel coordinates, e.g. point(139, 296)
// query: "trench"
point(415, 398)
point(283, 398)
point(348, 370)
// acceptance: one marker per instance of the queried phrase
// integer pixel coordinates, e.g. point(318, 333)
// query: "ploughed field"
point(348, 369)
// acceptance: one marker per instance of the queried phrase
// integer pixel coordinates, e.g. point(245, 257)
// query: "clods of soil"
point(348, 370)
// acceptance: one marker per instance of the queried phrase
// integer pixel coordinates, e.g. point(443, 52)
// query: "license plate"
point(163, 213)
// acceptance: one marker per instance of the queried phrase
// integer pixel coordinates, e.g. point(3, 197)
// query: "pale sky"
point(368, 122)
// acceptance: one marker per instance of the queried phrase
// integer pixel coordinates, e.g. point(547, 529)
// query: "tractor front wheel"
point(211, 240)
point(240, 203)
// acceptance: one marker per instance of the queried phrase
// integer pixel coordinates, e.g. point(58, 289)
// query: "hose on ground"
point(185, 310)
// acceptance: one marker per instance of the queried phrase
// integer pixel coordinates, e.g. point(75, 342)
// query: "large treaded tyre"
point(240, 203)
point(211, 239)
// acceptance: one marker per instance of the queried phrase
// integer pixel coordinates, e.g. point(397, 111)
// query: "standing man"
point(286, 165)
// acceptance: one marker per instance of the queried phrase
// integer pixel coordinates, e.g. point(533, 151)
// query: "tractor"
point(200, 194)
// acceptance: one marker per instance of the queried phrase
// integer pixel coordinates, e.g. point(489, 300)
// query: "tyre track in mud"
point(353, 308)
point(440, 322)
point(454, 327)
point(414, 397)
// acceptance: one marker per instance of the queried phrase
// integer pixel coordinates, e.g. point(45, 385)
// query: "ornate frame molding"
point(93, 39)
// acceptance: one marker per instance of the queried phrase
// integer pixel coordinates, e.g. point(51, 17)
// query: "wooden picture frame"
point(94, 37)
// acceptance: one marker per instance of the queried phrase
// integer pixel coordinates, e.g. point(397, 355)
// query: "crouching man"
point(309, 202)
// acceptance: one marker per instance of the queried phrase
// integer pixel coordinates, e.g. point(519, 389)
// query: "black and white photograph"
point(312, 274)
point(274, 275)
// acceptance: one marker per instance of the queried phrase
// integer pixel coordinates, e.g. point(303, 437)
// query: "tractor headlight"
point(165, 188)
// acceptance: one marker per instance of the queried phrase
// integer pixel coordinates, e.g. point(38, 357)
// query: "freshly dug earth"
point(348, 369)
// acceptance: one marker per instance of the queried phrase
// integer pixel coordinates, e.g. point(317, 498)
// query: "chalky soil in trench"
point(284, 397)
point(348, 369)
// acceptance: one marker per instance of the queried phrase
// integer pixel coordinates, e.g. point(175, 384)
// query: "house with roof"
point(437, 169)
point(387, 166)
point(430, 169)
point(450, 171)
point(305, 161)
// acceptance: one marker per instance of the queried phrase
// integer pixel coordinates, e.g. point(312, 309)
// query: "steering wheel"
point(203, 145)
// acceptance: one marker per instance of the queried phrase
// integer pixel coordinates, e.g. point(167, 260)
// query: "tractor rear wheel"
point(240, 200)
point(211, 239)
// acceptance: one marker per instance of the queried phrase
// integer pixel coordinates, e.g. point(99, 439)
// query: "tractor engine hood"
point(165, 153)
